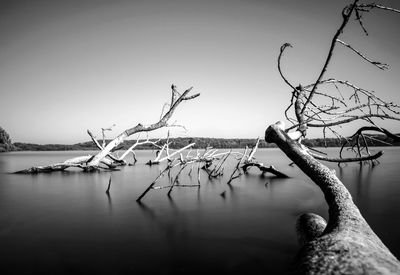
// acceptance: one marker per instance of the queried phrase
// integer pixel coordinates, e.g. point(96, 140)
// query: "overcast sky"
point(68, 66)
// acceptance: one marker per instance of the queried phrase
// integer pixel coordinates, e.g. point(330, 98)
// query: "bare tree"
point(346, 244)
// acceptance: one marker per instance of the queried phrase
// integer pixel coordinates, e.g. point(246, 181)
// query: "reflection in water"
point(108, 195)
point(199, 196)
point(173, 205)
point(173, 225)
point(358, 177)
point(59, 220)
point(364, 185)
point(359, 183)
point(146, 210)
point(109, 201)
point(223, 194)
point(340, 168)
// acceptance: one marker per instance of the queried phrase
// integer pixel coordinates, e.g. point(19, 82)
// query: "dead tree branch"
point(103, 130)
point(340, 160)
point(237, 172)
point(175, 181)
point(320, 109)
point(141, 128)
point(250, 162)
point(118, 161)
point(382, 66)
point(105, 157)
point(346, 14)
point(346, 244)
point(271, 169)
point(169, 166)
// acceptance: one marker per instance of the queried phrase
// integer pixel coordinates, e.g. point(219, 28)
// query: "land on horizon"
point(200, 143)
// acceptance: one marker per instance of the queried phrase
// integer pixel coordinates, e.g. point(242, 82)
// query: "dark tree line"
point(221, 143)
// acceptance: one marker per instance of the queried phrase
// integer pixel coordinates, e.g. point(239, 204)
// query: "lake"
point(64, 223)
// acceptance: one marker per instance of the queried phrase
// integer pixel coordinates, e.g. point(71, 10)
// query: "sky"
point(69, 66)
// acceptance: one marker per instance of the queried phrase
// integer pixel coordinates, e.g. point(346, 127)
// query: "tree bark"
point(347, 245)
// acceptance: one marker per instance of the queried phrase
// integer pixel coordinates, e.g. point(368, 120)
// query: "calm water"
point(64, 222)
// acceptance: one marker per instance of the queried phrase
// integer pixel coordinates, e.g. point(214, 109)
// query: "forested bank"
point(201, 142)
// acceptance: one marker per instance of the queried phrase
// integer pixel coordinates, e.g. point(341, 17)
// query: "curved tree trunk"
point(347, 245)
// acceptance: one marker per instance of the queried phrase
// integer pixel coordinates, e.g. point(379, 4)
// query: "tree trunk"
point(347, 245)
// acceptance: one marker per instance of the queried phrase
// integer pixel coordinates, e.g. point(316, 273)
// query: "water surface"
point(63, 222)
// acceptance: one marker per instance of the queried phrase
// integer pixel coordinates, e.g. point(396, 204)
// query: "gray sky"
point(68, 66)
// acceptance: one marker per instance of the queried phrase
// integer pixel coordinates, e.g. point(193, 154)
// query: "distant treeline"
point(200, 143)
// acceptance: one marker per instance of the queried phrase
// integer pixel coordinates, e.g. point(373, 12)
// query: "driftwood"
point(174, 181)
point(105, 159)
point(205, 162)
point(250, 162)
point(173, 161)
point(168, 155)
point(101, 147)
point(154, 182)
point(347, 244)
point(341, 159)
point(136, 144)
point(78, 162)
point(175, 101)
point(237, 171)
point(218, 169)
point(271, 169)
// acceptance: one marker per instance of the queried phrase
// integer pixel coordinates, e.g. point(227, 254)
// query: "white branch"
point(169, 156)
point(140, 128)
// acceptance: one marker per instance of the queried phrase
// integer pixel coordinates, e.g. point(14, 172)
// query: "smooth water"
point(63, 222)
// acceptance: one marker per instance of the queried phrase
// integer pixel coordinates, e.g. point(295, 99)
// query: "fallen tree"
point(104, 159)
point(211, 161)
point(345, 244)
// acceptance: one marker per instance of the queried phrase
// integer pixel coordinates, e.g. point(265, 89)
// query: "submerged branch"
point(340, 160)
point(271, 169)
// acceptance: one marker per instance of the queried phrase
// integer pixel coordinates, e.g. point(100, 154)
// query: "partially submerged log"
point(77, 162)
point(347, 245)
point(74, 162)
